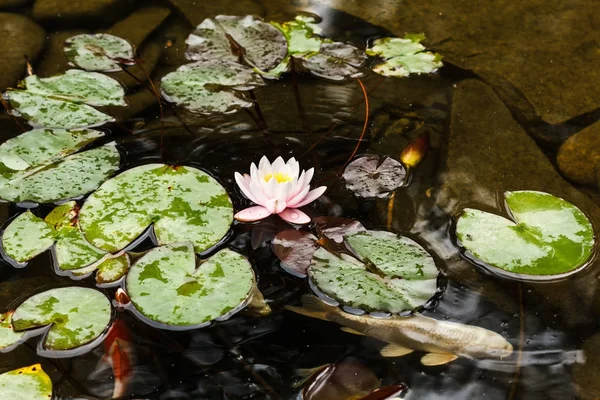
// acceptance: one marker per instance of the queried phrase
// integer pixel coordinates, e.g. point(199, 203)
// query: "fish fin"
point(306, 373)
point(433, 359)
point(394, 350)
point(313, 307)
point(352, 331)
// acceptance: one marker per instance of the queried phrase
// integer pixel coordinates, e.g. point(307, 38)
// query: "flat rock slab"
point(54, 61)
point(80, 12)
point(139, 24)
point(20, 37)
point(195, 11)
point(578, 157)
point(546, 51)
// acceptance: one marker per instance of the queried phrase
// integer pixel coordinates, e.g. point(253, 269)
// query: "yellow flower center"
point(280, 177)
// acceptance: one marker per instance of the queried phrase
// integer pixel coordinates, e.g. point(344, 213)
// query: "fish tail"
point(313, 307)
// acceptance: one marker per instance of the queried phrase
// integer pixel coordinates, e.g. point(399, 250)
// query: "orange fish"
point(118, 352)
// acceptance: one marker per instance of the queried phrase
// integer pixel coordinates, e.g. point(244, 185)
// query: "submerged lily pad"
point(335, 61)
point(547, 235)
point(396, 274)
point(29, 383)
point(366, 178)
point(208, 87)
point(98, 52)
point(166, 287)
point(77, 316)
point(65, 101)
point(404, 56)
point(181, 203)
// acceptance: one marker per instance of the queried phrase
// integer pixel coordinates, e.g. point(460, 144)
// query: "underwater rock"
point(173, 34)
point(195, 11)
point(139, 73)
point(54, 61)
point(139, 24)
point(579, 155)
point(14, 50)
point(81, 12)
point(12, 3)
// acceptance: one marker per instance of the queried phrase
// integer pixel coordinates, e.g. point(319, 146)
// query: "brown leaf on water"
point(370, 177)
point(335, 228)
point(295, 249)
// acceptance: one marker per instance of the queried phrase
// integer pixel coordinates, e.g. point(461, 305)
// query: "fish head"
point(489, 345)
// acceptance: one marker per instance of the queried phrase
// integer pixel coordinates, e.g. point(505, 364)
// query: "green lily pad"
point(58, 179)
point(547, 236)
point(28, 383)
point(300, 35)
point(76, 315)
point(26, 237)
point(181, 203)
point(98, 52)
point(262, 45)
point(208, 87)
point(167, 288)
point(65, 101)
point(396, 274)
point(404, 56)
point(335, 61)
point(8, 337)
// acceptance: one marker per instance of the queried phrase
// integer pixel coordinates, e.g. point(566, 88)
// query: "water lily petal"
point(294, 216)
point(293, 202)
point(299, 185)
point(295, 166)
point(244, 186)
point(312, 196)
point(264, 164)
point(258, 193)
point(252, 214)
point(278, 164)
point(253, 171)
point(275, 206)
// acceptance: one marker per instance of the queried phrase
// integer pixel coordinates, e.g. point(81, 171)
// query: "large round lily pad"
point(182, 204)
point(98, 52)
point(166, 287)
point(396, 274)
point(76, 315)
point(28, 383)
point(548, 236)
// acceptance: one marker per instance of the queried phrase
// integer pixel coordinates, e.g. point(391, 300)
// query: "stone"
point(12, 3)
point(137, 102)
point(173, 34)
point(579, 155)
point(20, 38)
point(140, 24)
point(80, 12)
point(139, 73)
point(195, 11)
point(54, 61)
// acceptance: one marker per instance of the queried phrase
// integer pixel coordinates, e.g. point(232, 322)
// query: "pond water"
point(493, 123)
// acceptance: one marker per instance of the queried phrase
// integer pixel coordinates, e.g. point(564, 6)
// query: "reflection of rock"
point(544, 52)
point(79, 11)
point(586, 375)
point(54, 61)
point(19, 38)
point(578, 156)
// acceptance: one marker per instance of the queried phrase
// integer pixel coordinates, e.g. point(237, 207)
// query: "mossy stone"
point(579, 155)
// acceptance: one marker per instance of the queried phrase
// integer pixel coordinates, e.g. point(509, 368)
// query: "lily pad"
point(295, 249)
point(404, 56)
point(261, 44)
point(546, 236)
point(366, 178)
point(29, 383)
point(76, 316)
point(182, 204)
point(65, 101)
point(208, 87)
point(98, 52)
point(26, 237)
point(335, 228)
point(396, 274)
point(166, 288)
point(335, 61)
point(8, 337)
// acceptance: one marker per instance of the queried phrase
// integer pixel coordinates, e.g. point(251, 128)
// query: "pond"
point(445, 248)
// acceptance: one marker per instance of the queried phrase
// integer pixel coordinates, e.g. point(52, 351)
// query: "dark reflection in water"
point(256, 358)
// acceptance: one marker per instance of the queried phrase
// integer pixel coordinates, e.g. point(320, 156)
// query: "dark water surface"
point(553, 327)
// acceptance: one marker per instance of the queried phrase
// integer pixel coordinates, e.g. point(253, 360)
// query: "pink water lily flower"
point(277, 188)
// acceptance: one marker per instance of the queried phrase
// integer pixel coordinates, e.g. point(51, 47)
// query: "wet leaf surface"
point(181, 203)
point(335, 228)
point(367, 178)
point(28, 383)
point(397, 273)
point(98, 52)
point(76, 315)
point(404, 56)
point(26, 237)
point(166, 287)
point(336, 61)
point(295, 249)
point(546, 236)
point(8, 337)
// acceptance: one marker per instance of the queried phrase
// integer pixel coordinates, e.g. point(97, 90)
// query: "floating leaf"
point(208, 87)
point(300, 36)
point(166, 287)
point(182, 204)
point(335, 228)
point(397, 273)
point(98, 52)
point(404, 56)
point(64, 101)
point(26, 237)
point(262, 45)
point(8, 337)
point(29, 383)
point(295, 249)
point(77, 316)
point(335, 61)
point(366, 178)
point(549, 236)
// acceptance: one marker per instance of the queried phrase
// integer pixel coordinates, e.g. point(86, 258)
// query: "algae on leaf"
point(28, 383)
point(98, 52)
point(549, 236)
point(403, 57)
point(167, 289)
point(335, 61)
point(26, 236)
point(8, 337)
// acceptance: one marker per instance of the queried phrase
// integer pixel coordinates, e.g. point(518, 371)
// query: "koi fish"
point(443, 341)
point(118, 352)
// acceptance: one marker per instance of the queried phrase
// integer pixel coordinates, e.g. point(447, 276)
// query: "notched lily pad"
point(76, 317)
point(547, 237)
point(65, 101)
point(208, 87)
point(335, 61)
point(26, 236)
point(168, 290)
point(181, 203)
point(404, 56)
point(396, 274)
point(366, 178)
point(28, 383)
point(98, 52)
